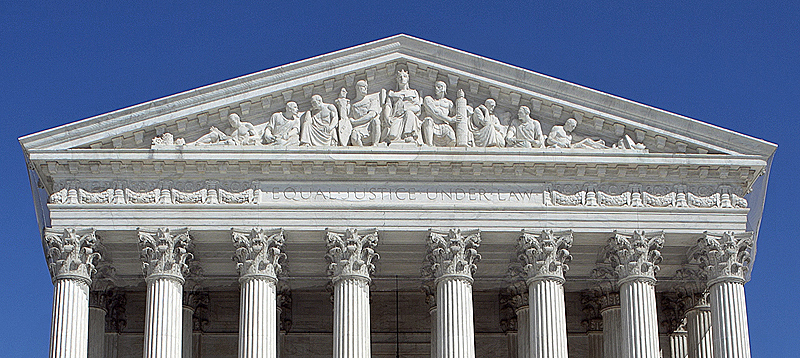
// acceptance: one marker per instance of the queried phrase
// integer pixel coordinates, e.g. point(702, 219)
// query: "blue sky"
point(735, 65)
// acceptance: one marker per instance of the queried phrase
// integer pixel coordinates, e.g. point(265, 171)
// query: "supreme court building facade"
point(397, 198)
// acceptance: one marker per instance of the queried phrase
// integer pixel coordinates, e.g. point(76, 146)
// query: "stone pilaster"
point(284, 314)
point(429, 289)
point(544, 258)
point(351, 257)
point(258, 259)
point(97, 324)
point(675, 324)
point(636, 258)
point(725, 262)
point(70, 256)
point(521, 305)
point(164, 254)
point(116, 320)
point(593, 323)
point(451, 260)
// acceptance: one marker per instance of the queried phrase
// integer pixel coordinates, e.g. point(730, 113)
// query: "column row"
point(629, 326)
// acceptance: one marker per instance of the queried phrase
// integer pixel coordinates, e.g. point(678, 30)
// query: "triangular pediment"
point(255, 97)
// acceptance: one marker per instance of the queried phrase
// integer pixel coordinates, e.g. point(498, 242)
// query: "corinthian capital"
point(725, 257)
point(351, 254)
point(258, 252)
point(635, 256)
point(164, 252)
point(544, 255)
point(452, 253)
point(71, 253)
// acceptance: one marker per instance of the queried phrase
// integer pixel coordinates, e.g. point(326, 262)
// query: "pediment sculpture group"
point(397, 116)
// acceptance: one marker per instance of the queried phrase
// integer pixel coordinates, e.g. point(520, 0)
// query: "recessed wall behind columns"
point(311, 331)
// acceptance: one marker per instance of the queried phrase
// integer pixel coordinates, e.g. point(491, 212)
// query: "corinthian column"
point(258, 257)
point(636, 258)
point(725, 261)
point(351, 259)
point(451, 261)
point(70, 257)
point(544, 256)
point(164, 255)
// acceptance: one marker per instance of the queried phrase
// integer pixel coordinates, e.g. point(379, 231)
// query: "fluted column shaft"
point(97, 332)
point(700, 341)
point(639, 320)
point(258, 256)
point(258, 322)
point(548, 325)
point(186, 332)
point(351, 327)
point(163, 325)
point(434, 337)
point(612, 331)
point(456, 327)
point(69, 332)
point(678, 345)
point(595, 344)
point(524, 332)
point(729, 319)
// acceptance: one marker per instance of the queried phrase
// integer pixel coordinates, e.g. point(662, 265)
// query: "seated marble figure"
point(283, 128)
point(561, 137)
point(526, 132)
point(359, 121)
point(437, 127)
point(318, 126)
point(242, 133)
point(401, 113)
point(486, 128)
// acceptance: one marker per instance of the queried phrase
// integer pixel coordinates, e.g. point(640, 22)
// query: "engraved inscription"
point(400, 193)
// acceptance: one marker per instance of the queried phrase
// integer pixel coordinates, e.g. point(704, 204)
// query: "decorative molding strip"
point(677, 196)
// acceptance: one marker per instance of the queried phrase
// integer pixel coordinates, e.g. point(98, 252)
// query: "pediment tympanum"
point(471, 101)
point(401, 111)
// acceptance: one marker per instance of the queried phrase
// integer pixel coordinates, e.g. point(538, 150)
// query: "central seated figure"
point(401, 113)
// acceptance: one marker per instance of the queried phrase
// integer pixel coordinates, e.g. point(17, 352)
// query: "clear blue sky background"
point(733, 64)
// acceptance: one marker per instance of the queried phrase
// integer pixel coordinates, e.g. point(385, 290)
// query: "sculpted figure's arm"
point(559, 138)
point(440, 112)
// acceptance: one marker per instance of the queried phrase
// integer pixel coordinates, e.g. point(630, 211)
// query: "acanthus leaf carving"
point(545, 255)
point(635, 255)
point(723, 257)
point(351, 253)
point(71, 253)
point(165, 252)
point(259, 252)
point(452, 253)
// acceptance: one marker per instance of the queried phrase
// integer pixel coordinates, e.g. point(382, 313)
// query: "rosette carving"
point(71, 253)
point(165, 252)
point(544, 254)
point(452, 253)
point(636, 255)
point(725, 257)
point(351, 254)
point(259, 252)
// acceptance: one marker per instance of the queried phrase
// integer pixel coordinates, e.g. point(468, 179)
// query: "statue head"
point(291, 108)
point(523, 113)
point(361, 87)
point(570, 125)
point(490, 105)
point(441, 89)
point(343, 93)
point(401, 77)
point(234, 120)
point(316, 101)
